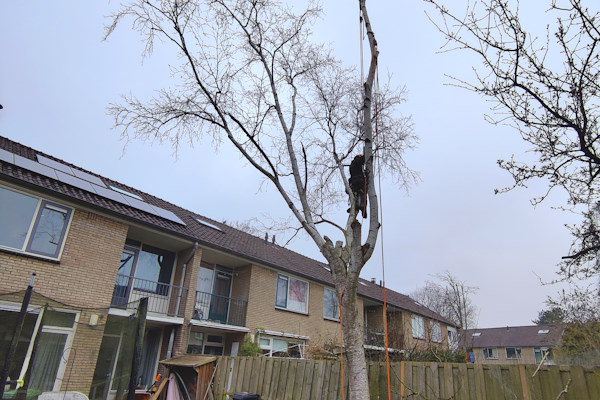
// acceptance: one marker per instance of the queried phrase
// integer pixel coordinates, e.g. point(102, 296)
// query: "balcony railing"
point(221, 309)
point(162, 297)
point(374, 337)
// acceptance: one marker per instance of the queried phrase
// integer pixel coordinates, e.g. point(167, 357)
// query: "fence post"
point(524, 385)
point(402, 379)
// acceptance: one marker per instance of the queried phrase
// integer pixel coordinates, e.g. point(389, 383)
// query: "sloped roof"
point(513, 336)
point(211, 233)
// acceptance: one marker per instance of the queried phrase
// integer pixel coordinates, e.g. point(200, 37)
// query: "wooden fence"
point(293, 379)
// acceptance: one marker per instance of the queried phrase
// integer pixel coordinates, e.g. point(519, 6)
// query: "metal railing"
point(221, 309)
point(162, 297)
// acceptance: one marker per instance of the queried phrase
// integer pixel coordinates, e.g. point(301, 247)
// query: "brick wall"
point(262, 312)
point(84, 352)
point(83, 280)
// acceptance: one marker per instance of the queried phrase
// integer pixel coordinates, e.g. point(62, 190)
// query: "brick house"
point(512, 344)
point(98, 246)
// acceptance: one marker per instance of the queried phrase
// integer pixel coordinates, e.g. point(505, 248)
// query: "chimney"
point(373, 280)
point(266, 236)
point(273, 239)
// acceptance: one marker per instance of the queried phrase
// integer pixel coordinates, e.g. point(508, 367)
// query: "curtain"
point(48, 356)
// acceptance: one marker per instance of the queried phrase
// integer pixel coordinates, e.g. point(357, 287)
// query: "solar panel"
point(89, 183)
point(109, 194)
point(73, 181)
point(54, 164)
point(34, 166)
point(168, 215)
point(71, 171)
point(140, 205)
point(88, 177)
point(7, 156)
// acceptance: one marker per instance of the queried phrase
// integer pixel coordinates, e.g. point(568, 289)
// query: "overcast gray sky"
point(57, 77)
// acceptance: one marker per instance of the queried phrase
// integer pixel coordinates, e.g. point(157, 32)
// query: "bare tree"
point(248, 73)
point(451, 298)
point(547, 89)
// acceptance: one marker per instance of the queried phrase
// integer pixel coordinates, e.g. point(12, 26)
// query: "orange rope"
point(342, 345)
point(385, 324)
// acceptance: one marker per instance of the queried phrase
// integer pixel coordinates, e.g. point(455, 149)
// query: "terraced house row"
point(98, 246)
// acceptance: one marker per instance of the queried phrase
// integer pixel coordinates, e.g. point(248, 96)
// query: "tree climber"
point(358, 183)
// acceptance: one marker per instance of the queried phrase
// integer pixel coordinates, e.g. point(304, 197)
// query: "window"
point(540, 352)
point(418, 327)
point(513, 353)
point(195, 342)
point(32, 225)
point(213, 345)
point(331, 305)
point(436, 332)
point(292, 294)
point(46, 365)
point(150, 267)
point(490, 353)
point(281, 347)
point(452, 338)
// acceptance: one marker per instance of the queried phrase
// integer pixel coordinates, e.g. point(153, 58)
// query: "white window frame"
point(452, 337)
point(486, 353)
point(436, 331)
point(289, 342)
point(329, 317)
point(286, 306)
point(418, 326)
point(42, 204)
point(70, 332)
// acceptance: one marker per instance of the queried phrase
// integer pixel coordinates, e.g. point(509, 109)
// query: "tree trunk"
point(353, 345)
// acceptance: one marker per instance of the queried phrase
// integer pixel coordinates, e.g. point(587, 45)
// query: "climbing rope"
point(385, 323)
point(385, 320)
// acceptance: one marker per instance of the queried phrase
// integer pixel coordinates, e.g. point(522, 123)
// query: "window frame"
point(285, 307)
point(48, 327)
point(542, 350)
point(329, 317)
point(436, 336)
point(420, 332)
point(268, 348)
point(517, 352)
point(42, 204)
point(492, 350)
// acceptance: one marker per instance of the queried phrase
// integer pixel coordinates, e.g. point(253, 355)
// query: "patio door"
point(219, 306)
point(124, 280)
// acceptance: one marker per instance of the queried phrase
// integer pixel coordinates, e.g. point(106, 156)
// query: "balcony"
point(162, 298)
point(374, 337)
point(221, 309)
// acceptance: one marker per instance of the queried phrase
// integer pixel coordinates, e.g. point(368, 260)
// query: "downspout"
point(184, 267)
